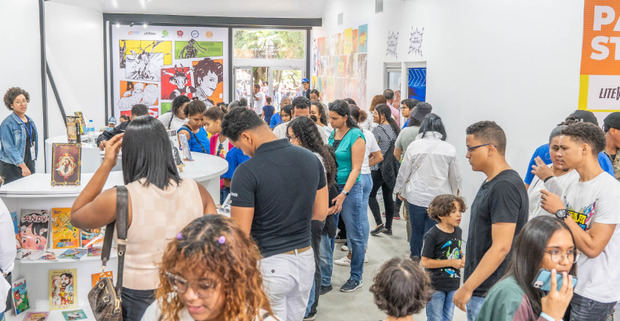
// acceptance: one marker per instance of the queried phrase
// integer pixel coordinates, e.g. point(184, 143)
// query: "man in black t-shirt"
point(275, 195)
point(498, 213)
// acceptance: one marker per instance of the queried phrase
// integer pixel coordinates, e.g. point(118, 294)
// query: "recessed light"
point(145, 25)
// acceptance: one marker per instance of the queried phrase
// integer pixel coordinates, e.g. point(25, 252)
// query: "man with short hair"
point(389, 97)
point(301, 107)
point(406, 107)
point(499, 211)
point(611, 126)
point(274, 203)
point(259, 99)
point(589, 207)
point(268, 110)
point(136, 111)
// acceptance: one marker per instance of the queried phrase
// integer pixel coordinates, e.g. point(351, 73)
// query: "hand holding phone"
point(543, 280)
point(557, 300)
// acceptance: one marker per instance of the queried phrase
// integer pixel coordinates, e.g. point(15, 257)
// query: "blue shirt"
point(275, 120)
point(198, 142)
point(268, 111)
point(543, 152)
point(235, 157)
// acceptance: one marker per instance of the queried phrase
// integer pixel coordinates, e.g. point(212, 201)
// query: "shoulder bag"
point(105, 298)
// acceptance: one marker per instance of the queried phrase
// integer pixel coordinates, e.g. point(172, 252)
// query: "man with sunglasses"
point(589, 207)
point(498, 213)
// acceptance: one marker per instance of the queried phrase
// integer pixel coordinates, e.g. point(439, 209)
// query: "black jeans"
point(584, 309)
point(135, 303)
point(388, 202)
point(12, 172)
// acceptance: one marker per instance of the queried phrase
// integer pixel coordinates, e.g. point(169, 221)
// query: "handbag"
point(390, 165)
point(105, 298)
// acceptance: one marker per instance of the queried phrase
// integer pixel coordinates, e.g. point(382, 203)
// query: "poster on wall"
point(416, 83)
point(153, 65)
point(341, 65)
point(599, 83)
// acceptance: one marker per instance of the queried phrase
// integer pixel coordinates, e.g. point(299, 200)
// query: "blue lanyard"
point(28, 128)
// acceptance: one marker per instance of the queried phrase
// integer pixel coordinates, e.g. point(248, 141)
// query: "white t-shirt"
point(556, 185)
point(371, 147)
point(259, 102)
point(176, 122)
point(597, 200)
point(280, 132)
point(153, 313)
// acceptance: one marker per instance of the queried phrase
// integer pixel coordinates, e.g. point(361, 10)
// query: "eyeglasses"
point(558, 255)
point(202, 288)
point(471, 149)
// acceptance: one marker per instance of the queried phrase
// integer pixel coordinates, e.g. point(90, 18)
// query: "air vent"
point(378, 6)
point(340, 18)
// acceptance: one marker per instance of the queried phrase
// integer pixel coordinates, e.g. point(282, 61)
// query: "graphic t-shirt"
point(597, 200)
point(500, 200)
point(439, 245)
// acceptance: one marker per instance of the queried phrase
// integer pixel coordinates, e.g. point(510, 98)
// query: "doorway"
point(275, 82)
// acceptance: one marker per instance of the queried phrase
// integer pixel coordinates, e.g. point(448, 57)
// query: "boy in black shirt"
point(442, 255)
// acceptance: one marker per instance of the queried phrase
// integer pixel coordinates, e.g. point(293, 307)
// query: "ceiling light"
point(117, 25)
point(145, 25)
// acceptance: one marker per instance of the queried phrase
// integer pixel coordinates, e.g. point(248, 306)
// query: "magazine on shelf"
point(62, 289)
point(64, 235)
point(74, 254)
point(92, 238)
point(74, 315)
point(34, 229)
point(19, 294)
point(36, 316)
point(18, 243)
point(66, 164)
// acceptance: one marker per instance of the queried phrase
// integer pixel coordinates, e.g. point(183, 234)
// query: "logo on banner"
point(180, 33)
point(149, 33)
point(195, 34)
point(164, 33)
point(209, 34)
point(609, 93)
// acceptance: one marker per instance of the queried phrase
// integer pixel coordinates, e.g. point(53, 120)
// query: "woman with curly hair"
point(19, 137)
point(210, 273)
point(401, 288)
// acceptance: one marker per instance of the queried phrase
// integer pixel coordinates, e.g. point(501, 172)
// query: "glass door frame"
point(271, 64)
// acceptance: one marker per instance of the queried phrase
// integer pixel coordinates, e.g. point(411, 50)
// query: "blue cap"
point(305, 80)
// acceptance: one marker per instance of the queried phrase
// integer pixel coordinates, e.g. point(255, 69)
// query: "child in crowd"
point(194, 131)
point(210, 272)
point(286, 113)
point(219, 144)
point(401, 289)
point(235, 157)
point(442, 255)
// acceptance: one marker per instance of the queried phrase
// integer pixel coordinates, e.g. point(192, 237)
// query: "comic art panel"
point(67, 164)
point(143, 59)
point(63, 288)
point(64, 234)
point(34, 229)
point(176, 81)
point(19, 293)
point(133, 92)
point(198, 49)
point(209, 80)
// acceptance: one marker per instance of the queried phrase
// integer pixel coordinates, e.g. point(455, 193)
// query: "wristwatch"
point(561, 214)
point(345, 193)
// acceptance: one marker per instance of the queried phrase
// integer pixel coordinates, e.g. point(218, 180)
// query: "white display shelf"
point(57, 252)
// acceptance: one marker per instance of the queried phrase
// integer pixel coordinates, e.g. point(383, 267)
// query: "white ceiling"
point(225, 8)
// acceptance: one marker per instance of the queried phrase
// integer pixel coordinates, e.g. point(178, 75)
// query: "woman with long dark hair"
point(319, 116)
point(349, 145)
point(175, 118)
point(545, 242)
point(386, 132)
point(428, 169)
point(160, 204)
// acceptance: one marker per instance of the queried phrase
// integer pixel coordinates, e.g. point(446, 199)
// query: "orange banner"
point(601, 38)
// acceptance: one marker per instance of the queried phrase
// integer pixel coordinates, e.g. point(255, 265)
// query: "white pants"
point(288, 280)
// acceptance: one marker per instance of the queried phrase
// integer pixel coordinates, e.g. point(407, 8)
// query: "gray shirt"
point(406, 136)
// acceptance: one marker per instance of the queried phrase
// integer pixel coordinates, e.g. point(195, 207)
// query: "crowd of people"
point(301, 180)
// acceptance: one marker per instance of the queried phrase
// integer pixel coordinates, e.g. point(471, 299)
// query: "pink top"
point(214, 142)
point(395, 114)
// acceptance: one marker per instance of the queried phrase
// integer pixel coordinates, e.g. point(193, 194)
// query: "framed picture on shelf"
point(66, 164)
point(63, 289)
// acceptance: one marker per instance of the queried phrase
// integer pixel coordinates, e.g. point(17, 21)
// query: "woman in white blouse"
point(428, 169)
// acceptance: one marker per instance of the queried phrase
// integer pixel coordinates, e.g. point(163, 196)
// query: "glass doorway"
point(275, 82)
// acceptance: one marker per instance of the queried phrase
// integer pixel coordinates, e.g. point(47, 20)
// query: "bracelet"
point(546, 179)
point(547, 317)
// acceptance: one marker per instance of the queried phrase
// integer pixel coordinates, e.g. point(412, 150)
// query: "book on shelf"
point(75, 254)
point(15, 219)
point(19, 294)
point(33, 229)
point(63, 289)
point(36, 316)
point(64, 234)
point(72, 125)
point(66, 164)
point(74, 315)
point(92, 238)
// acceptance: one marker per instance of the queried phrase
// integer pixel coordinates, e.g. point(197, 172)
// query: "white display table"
point(91, 155)
point(36, 192)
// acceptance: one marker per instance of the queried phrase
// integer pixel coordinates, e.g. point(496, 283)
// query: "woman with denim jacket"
point(18, 133)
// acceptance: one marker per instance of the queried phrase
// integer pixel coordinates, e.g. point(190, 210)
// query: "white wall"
point(514, 62)
point(75, 56)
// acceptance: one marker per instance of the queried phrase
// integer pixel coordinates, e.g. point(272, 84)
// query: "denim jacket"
point(13, 136)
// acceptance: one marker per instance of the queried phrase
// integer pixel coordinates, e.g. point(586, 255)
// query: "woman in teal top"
point(195, 133)
point(349, 146)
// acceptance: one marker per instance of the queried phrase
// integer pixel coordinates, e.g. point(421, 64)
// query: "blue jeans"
point(223, 194)
point(473, 307)
point(326, 254)
point(356, 222)
point(582, 309)
point(420, 224)
point(366, 180)
point(440, 307)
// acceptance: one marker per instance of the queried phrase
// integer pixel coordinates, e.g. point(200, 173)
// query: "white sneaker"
point(344, 248)
point(365, 258)
point(344, 261)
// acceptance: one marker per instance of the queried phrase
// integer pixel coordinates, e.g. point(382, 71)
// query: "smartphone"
point(543, 280)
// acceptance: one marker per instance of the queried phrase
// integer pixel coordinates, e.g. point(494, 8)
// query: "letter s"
point(598, 44)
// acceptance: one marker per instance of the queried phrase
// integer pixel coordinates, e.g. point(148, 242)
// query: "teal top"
point(343, 153)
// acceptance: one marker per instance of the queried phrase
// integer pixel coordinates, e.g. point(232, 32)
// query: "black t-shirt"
point(439, 245)
point(280, 182)
point(500, 200)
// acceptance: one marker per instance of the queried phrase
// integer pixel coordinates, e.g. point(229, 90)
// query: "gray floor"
point(359, 305)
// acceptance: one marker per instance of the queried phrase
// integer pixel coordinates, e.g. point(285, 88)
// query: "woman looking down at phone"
point(544, 243)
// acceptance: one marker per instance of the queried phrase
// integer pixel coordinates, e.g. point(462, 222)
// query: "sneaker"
point(396, 217)
point(351, 285)
point(344, 261)
point(377, 230)
point(387, 231)
point(324, 289)
point(310, 316)
point(344, 247)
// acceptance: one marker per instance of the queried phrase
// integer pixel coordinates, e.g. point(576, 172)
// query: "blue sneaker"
point(351, 285)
